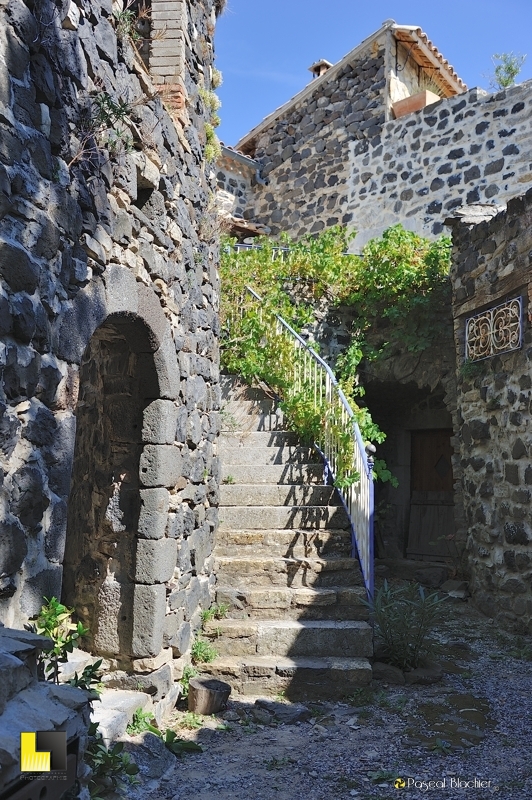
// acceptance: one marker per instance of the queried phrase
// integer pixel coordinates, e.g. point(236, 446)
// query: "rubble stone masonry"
point(109, 381)
point(304, 153)
point(491, 264)
point(467, 149)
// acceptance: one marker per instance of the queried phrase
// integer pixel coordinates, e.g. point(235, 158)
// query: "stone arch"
point(117, 555)
point(118, 292)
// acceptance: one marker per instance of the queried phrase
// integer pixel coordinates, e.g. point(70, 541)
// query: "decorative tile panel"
point(494, 331)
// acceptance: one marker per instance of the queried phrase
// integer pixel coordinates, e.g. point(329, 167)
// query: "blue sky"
point(264, 48)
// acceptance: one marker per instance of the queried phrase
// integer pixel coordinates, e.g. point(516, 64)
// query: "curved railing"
point(311, 372)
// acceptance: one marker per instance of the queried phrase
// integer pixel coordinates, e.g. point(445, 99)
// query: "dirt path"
point(476, 724)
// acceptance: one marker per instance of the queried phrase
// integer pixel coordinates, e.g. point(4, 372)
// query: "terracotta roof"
point(427, 55)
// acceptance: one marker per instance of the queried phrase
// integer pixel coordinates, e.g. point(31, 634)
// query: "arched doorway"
point(118, 379)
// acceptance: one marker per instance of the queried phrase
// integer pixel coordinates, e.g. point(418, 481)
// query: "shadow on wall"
point(117, 381)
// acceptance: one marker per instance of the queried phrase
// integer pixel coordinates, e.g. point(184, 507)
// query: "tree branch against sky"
point(265, 48)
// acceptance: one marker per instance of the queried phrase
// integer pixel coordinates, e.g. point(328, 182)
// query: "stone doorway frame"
point(118, 297)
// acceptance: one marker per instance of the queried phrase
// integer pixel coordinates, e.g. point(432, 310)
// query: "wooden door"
point(432, 504)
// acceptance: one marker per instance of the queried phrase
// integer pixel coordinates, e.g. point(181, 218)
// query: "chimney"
point(320, 68)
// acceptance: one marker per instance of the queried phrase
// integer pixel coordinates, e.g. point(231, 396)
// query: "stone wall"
point(303, 155)
point(28, 704)
point(109, 386)
point(235, 179)
point(491, 264)
point(466, 149)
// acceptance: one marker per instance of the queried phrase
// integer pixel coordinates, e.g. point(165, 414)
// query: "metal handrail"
point(358, 498)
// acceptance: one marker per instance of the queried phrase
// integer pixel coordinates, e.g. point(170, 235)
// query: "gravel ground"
point(475, 724)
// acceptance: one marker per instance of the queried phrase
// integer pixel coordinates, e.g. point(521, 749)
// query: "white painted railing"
point(356, 482)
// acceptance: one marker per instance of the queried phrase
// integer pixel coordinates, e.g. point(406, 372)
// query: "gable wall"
point(304, 154)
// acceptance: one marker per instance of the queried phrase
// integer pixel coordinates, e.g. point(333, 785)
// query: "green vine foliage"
point(399, 279)
point(400, 286)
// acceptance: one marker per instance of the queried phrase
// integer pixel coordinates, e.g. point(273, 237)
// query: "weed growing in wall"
point(213, 149)
point(202, 652)
point(507, 68)
point(211, 103)
point(103, 125)
point(188, 672)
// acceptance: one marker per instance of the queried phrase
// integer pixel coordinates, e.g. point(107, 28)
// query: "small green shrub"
point(405, 617)
point(142, 721)
point(55, 622)
point(210, 100)
point(191, 721)
point(202, 652)
point(188, 672)
point(506, 70)
point(213, 148)
point(217, 78)
point(180, 746)
point(126, 21)
point(112, 770)
point(89, 680)
point(216, 611)
point(103, 124)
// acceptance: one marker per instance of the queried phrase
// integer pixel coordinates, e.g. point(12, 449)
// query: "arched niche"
point(118, 380)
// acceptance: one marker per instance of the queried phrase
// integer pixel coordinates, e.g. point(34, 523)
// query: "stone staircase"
point(296, 621)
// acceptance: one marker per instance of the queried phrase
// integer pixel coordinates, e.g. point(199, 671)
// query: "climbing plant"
point(399, 279)
point(400, 285)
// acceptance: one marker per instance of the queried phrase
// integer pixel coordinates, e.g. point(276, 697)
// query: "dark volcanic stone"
point(20, 272)
point(13, 547)
point(29, 501)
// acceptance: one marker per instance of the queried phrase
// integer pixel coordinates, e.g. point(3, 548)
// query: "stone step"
point(277, 495)
point(255, 456)
point(242, 572)
point(77, 660)
point(336, 603)
point(246, 408)
point(290, 637)
point(272, 473)
point(257, 439)
point(298, 677)
point(115, 711)
point(267, 517)
point(242, 421)
point(285, 542)
point(19, 654)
